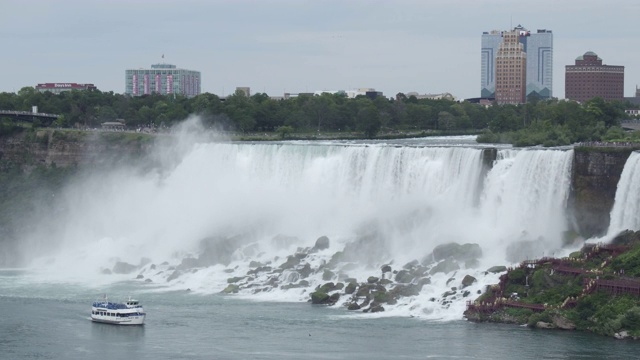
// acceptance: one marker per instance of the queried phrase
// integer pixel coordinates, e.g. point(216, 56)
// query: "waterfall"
point(625, 214)
point(222, 210)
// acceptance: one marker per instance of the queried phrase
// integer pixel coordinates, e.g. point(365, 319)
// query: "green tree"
point(368, 121)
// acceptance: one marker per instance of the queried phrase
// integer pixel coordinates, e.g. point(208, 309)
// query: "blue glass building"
point(539, 49)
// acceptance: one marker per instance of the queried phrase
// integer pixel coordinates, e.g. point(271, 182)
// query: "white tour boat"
point(128, 313)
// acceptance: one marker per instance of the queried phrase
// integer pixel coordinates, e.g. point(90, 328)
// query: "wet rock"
point(448, 293)
point(255, 264)
point(372, 279)
point(353, 306)
point(328, 275)
point(386, 268)
point(458, 252)
point(300, 255)
point(328, 287)
point(335, 260)
point(422, 282)
point(468, 280)
point(385, 282)
point(147, 280)
point(140, 276)
point(374, 307)
point(305, 271)
point(405, 290)
point(322, 243)
point(231, 289)
point(259, 270)
point(301, 284)
point(233, 280)
point(445, 266)
point(466, 293)
point(290, 263)
point(123, 268)
point(364, 290)
point(497, 269)
point(290, 276)
point(450, 280)
point(152, 267)
point(411, 264)
point(322, 298)
point(350, 288)
point(174, 275)
point(626, 237)
point(404, 277)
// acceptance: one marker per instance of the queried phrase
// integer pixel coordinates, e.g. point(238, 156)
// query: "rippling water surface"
point(41, 321)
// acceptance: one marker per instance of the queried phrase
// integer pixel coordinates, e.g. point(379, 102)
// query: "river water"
point(47, 321)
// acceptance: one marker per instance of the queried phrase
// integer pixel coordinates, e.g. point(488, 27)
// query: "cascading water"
point(227, 210)
point(625, 214)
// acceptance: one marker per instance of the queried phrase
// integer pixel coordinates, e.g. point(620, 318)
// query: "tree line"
point(554, 122)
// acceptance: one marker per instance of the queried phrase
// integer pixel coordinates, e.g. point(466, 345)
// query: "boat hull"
point(129, 320)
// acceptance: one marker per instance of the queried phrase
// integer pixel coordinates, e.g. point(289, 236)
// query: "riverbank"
point(595, 289)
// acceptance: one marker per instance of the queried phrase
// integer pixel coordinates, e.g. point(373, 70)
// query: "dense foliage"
point(549, 123)
point(597, 311)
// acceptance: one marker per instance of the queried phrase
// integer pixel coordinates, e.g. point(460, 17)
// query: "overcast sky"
point(428, 46)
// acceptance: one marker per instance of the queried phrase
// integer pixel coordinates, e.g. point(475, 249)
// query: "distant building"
point(164, 79)
point(539, 67)
point(57, 88)
point(511, 71)
point(245, 89)
point(589, 78)
point(445, 96)
point(635, 100)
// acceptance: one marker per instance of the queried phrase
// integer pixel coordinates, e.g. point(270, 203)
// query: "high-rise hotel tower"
point(539, 66)
point(163, 79)
point(511, 74)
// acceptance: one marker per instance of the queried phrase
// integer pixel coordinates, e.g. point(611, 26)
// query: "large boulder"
point(459, 252)
point(468, 280)
point(446, 266)
point(123, 268)
point(231, 289)
point(497, 269)
point(322, 298)
point(626, 237)
point(404, 277)
point(321, 243)
point(290, 263)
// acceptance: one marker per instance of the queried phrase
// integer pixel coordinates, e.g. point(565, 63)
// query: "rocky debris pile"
point(325, 276)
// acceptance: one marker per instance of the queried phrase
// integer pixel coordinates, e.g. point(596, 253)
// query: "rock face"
point(594, 180)
point(70, 148)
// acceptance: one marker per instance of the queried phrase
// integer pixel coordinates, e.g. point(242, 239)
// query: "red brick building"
point(57, 88)
point(589, 78)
